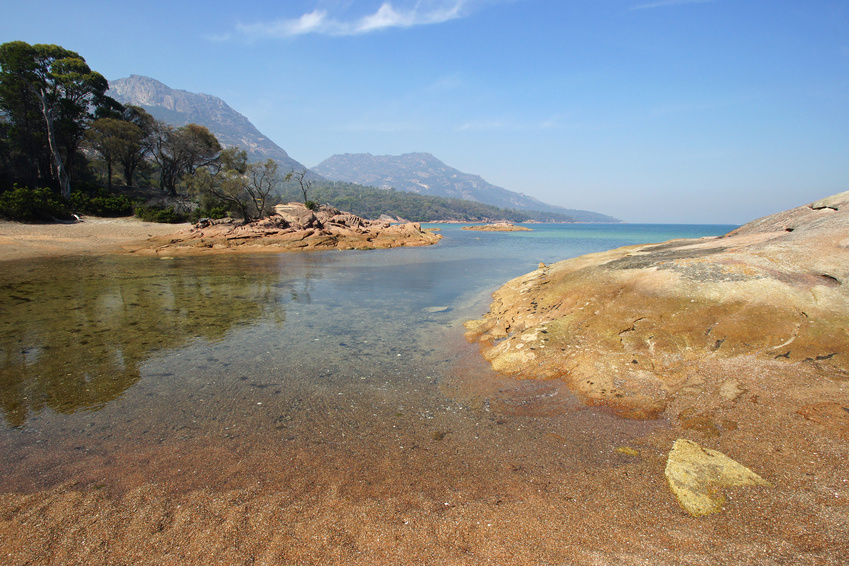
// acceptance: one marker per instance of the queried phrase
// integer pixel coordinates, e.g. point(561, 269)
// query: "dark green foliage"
point(246, 188)
point(182, 151)
point(221, 211)
point(163, 215)
point(103, 204)
point(32, 205)
point(48, 94)
point(311, 205)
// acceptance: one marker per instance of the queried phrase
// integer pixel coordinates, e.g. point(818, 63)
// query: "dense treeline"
point(48, 96)
point(66, 147)
point(63, 142)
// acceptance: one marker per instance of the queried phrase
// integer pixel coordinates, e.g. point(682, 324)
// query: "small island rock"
point(498, 227)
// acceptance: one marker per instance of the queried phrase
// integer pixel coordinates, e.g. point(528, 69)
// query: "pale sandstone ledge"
point(292, 228)
point(498, 227)
point(688, 328)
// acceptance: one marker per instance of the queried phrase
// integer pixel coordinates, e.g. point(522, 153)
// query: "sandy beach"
point(91, 236)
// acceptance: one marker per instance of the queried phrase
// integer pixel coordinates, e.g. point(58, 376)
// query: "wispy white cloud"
point(510, 124)
point(397, 14)
point(666, 3)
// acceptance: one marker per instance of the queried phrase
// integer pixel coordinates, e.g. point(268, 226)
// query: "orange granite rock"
point(293, 228)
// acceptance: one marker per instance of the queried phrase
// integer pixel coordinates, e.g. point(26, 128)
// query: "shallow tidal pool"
point(328, 398)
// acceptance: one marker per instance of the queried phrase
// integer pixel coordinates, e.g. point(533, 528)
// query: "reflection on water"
point(74, 333)
point(119, 370)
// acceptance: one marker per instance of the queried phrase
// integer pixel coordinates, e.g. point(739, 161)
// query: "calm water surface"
point(119, 370)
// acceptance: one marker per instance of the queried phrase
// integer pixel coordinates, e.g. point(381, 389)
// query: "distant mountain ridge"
point(420, 173)
point(425, 174)
point(181, 107)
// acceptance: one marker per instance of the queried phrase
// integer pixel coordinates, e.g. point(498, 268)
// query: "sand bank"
point(91, 236)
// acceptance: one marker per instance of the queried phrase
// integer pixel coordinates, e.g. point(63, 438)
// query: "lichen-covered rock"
point(697, 475)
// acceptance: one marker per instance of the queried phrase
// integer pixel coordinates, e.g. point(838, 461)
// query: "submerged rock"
point(293, 227)
point(696, 475)
point(434, 310)
point(833, 416)
point(636, 327)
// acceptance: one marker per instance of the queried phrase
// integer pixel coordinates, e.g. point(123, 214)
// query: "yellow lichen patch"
point(696, 475)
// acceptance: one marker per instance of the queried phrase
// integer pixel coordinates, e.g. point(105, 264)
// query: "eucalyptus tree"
point(180, 152)
point(50, 94)
point(139, 148)
point(304, 183)
point(113, 138)
point(245, 187)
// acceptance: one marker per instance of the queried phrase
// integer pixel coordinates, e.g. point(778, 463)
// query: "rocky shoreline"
point(739, 341)
point(628, 328)
point(293, 227)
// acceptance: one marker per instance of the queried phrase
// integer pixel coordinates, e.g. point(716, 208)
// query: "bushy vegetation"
point(33, 205)
point(102, 204)
point(215, 212)
point(161, 214)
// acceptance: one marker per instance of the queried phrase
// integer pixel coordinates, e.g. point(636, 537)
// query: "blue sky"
point(684, 111)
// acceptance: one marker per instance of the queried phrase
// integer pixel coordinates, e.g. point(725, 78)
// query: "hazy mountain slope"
point(371, 202)
point(180, 107)
point(425, 174)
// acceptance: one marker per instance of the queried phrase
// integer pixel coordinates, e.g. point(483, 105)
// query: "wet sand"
point(503, 473)
point(360, 482)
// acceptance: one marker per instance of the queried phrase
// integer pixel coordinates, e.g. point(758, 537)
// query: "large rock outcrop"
point(636, 328)
point(293, 227)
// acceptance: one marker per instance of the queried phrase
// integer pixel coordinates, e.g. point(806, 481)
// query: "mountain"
point(425, 174)
point(414, 172)
point(180, 107)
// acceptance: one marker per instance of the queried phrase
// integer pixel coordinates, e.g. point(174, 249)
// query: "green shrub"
point(216, 212)
point(33, 205)
point(104, 204)
point(311, 205)
point(159, 214)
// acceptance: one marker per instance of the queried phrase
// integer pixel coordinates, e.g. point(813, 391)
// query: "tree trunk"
point(61, 173)
point(128, 175)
